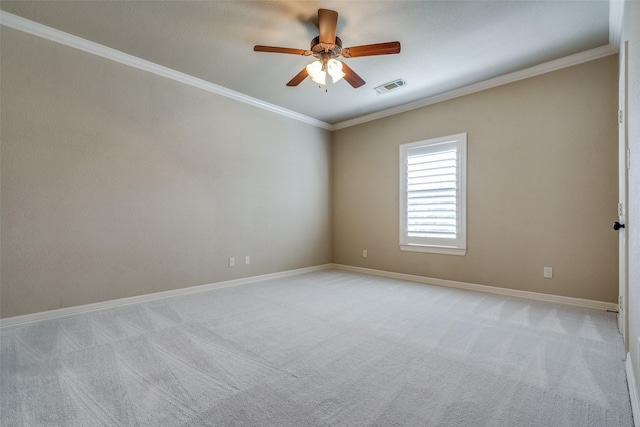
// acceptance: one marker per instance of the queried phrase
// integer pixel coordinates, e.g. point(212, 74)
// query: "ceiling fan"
point(326, 48)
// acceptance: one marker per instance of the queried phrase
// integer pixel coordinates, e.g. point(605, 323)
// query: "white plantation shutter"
point(432, 192)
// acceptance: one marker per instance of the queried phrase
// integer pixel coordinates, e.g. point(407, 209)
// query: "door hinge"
point(620, 209)
point(620, 116)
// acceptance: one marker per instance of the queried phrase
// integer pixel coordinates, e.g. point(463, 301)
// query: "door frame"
point(623, 196)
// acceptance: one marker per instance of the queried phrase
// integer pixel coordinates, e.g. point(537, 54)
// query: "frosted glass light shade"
point(334, 68)
point(316, 73)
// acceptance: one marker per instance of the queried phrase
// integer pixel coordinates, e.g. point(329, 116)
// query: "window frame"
point(446, 246)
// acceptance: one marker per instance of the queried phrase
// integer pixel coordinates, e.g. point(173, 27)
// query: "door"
point(623, 197)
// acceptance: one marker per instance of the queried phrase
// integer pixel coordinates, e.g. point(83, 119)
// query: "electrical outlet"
point(548, 272)
point(364, 253)
point(232, 262)
point(247, 260)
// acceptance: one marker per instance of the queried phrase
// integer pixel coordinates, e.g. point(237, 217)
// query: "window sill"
point(443, 250)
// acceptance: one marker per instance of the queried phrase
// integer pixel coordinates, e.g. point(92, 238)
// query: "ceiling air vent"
point(388, 87)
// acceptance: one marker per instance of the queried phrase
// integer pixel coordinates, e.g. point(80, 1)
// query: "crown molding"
point(547, 67)
point(30, 27)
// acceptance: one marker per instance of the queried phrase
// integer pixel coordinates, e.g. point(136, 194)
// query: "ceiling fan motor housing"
point(318, 48)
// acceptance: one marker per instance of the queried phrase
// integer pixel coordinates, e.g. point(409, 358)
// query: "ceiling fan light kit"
point(318, 70)
point(326, 48)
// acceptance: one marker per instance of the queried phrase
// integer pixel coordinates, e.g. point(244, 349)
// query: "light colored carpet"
point(328, 348)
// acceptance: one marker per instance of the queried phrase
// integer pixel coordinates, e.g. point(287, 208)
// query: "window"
point(433, 195)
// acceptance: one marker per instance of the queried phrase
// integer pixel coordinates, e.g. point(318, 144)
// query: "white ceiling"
point(446, 45)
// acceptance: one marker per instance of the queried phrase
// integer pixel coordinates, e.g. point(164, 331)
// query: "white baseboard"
point(633, 391)
point(578, 302)
point(87, 308)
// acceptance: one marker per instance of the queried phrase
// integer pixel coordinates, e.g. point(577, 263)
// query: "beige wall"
point(542, 185)
point(116, 182)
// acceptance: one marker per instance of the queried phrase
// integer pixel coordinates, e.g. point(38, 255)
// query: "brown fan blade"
point(274, 49)
point(351, 77)
point(327, 23)
point(371, 49)
point(298, 78)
